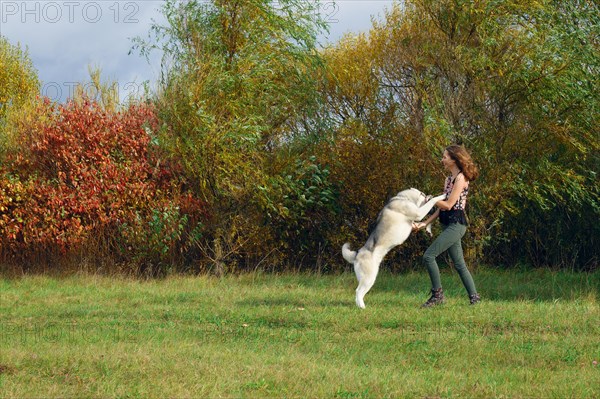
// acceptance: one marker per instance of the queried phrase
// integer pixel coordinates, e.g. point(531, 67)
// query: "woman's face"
point(447, 161)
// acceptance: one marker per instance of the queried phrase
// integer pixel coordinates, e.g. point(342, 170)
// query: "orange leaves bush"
point(86, 172)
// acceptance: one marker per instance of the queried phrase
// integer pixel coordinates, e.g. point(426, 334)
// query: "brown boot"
point(475, 298)
point(437, 298)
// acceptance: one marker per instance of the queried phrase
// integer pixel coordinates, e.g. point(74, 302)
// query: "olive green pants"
point(449, 240)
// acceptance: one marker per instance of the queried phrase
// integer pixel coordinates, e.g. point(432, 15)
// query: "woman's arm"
point(459, 185)
point(430, 219)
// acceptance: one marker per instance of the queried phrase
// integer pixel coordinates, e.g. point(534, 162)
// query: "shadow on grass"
point(493, 285)
point(501, 285)
point(295, 303)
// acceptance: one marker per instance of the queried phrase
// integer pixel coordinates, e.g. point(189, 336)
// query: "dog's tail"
point(348, 254)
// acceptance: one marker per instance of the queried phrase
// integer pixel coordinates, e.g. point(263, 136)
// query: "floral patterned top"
point(457, 213)
point(462, 200)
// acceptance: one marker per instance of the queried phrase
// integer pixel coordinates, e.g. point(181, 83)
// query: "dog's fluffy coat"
point(394, 225)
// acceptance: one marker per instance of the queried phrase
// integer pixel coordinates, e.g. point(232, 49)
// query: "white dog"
point(394, 225)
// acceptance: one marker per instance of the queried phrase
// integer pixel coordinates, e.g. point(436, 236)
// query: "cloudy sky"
point(64, 37)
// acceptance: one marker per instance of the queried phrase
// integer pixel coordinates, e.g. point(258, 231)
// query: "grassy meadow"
point(535, 335)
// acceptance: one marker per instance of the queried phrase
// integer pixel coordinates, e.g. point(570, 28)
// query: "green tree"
point(509, 79)
point(238, 78)
point(19, 85)
point(557, 191)
point(18, 78)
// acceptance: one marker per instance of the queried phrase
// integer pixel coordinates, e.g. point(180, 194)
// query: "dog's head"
point(415, 196)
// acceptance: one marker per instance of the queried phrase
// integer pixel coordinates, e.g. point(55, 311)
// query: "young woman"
point(451, 213)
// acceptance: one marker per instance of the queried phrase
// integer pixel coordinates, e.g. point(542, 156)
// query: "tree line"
point(262, 149)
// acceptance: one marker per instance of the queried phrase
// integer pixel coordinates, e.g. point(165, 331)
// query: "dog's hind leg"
point(370, 269)
point(365, 284)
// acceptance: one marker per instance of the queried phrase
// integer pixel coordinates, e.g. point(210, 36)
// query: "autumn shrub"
point(540, 214)
point(86, 173)
point(300, 206)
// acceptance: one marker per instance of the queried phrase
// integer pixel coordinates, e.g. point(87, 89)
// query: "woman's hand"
point(418, 226)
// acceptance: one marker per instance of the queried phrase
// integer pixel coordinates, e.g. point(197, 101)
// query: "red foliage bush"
point(85, 172)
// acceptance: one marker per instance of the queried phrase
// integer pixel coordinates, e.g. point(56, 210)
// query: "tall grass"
point(536, 334)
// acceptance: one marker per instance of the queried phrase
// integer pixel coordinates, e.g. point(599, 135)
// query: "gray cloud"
point(65, 37)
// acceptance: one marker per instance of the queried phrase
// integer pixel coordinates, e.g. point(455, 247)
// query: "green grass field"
point(535, 335)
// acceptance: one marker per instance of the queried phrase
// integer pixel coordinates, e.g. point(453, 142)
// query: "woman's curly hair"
point(464, 161)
